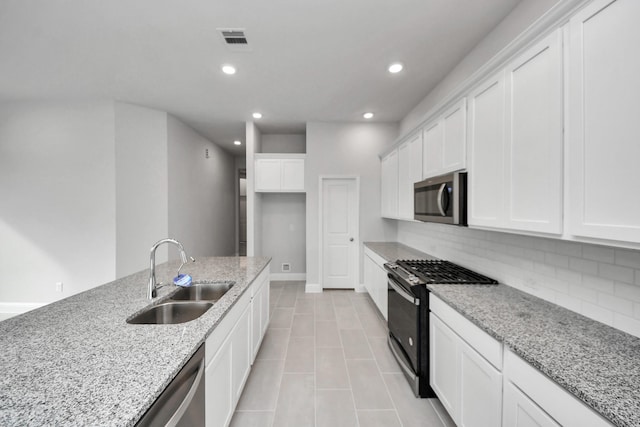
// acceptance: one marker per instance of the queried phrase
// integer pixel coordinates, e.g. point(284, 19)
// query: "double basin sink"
point(186, 304)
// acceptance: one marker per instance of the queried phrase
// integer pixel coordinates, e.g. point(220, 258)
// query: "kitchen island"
point(77, 361)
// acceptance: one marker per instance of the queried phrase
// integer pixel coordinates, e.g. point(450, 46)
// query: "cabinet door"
point(259, 316)
point(520, 411)
point(389, 178)
point(534, 180)
point(432, 149)
point(454, 140)
point(370, 278)
point(443, 369)
point(480, 390)
point(487, 152)
point(218, 388)
point(380, 277)
point(603, 114)
point(241, 354)
point(409, 172)
point(293, 174)
point(268, 175)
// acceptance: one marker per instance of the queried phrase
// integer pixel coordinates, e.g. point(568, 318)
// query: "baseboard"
point(288, 276)
point(313, 288)
point(10, 309)
point(360, 288)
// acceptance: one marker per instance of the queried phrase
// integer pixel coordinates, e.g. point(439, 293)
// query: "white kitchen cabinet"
point(520, 411)
point(445, 141)
point(409, 172)
point(389, 184)
point(259, 312)
point(230, 350)
point(544, 403)
point(279, 173)
point(603, 109)
point(375, 280)
point(464, 367)
point(228, 362)
point(487, 153)
point(516, 143)
point(534, 140)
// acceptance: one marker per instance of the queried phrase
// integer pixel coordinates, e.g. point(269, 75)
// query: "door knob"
point(351, 239)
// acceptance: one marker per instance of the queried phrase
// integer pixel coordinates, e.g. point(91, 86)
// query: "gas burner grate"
point(444, 272)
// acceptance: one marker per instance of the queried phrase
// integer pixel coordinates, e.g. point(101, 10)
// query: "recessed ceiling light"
point(257, 115)
point(367, 115)
point(228, 69)
point(396, 67)
point(236, 142)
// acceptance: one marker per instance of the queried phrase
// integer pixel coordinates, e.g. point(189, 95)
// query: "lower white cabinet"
point(231, 349)
point(532, 399)
point(375, 280)
point(259, 312)
point(466, 382)
point(520, 411)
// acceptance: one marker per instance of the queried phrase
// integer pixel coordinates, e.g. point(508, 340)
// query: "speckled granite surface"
point(77, 361)
point(598, 364)
point(392, 251)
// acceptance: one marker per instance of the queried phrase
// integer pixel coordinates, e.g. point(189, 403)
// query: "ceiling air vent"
point(235, 39)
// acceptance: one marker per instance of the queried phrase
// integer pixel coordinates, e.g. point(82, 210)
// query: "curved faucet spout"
point(152, 290)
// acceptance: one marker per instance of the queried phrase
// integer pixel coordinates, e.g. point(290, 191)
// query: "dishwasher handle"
point(177, 416)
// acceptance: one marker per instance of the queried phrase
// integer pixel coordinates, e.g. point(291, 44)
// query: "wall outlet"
point(59, 286)
point(286, 267)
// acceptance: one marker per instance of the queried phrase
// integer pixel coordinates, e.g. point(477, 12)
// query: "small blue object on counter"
point(183, 280)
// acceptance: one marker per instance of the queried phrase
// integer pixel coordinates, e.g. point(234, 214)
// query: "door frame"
point(321, 180)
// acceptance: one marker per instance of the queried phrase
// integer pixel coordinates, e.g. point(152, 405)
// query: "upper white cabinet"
point(603, 133)
point(445, 142)
point(516, 143)
point(389, 182)
point(486, 153)
point(409, 172)
point(279, 173)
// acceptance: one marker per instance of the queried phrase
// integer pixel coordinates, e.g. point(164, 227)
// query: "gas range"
point(421, 272)
point(408, 312)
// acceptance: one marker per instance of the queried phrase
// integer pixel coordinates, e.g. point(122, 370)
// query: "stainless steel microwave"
point(441, 199)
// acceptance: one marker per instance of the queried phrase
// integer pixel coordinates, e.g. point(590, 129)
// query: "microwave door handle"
point(440, 193)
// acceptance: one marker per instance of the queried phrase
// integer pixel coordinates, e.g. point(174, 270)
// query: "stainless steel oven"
point(441, 199)
point(408, 312)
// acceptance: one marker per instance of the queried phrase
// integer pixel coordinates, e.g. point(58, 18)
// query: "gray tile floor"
point(324, 362)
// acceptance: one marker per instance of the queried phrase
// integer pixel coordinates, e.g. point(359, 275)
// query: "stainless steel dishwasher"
point(182, 402)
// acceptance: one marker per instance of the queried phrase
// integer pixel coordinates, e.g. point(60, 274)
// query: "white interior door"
point(339, 232)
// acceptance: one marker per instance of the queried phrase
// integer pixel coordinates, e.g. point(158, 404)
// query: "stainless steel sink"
point(203, 291)
point(171, 312)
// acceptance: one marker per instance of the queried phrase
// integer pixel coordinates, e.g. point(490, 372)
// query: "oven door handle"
point(402, 292)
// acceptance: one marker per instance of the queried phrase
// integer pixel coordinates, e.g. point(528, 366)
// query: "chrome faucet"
point(152, 291)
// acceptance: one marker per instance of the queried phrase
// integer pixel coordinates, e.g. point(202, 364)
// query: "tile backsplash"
point(599, 282)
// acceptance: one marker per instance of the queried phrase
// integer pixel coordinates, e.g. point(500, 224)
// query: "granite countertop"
point(77, 361)
point(598, 364)
point(392, 251)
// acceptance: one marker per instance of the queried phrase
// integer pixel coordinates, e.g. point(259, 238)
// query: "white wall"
point(283, 231)
point(522, 16)
point(283, 143)
point(201, 193)
point(254, 200)
point(57, 199)
point(141, 186)
point(346, 149)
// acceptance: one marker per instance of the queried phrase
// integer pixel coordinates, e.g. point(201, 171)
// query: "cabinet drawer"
point(483, 343)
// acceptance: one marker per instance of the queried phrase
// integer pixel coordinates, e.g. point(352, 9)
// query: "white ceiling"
point(323, 60)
